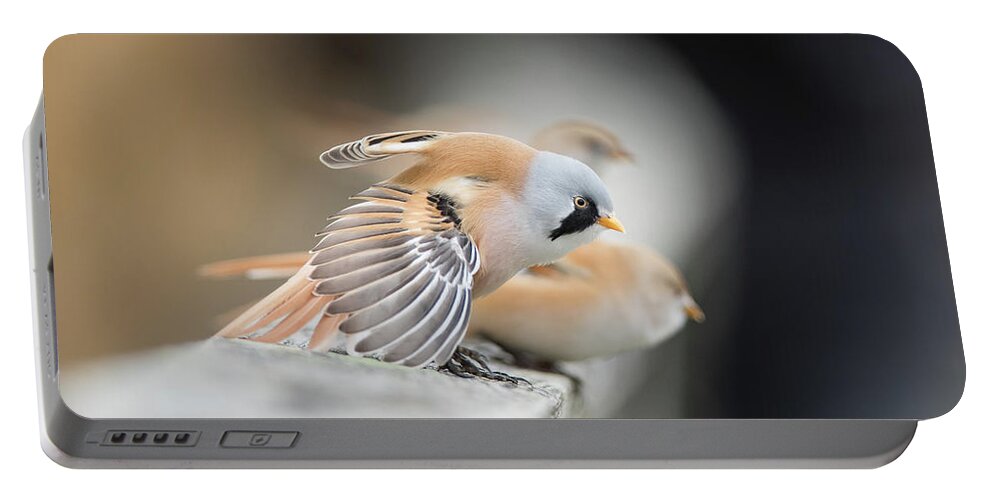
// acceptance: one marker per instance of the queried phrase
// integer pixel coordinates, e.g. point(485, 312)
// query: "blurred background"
point(789, 177)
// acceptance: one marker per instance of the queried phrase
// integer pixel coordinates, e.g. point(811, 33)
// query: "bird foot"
point(466, 363)
point(527, 361)
point(549, 367)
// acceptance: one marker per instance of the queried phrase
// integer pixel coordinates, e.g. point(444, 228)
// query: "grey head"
point(569, 204)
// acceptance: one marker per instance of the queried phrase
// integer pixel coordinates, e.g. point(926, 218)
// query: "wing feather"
point(379, 146)
point(402, 323)
point(402, 279)
point(368, 207)
point(354, 279)
point(407, 344)
point(340, 251)
point(358, 261)
point(367, 296)
point(381, 193)
point(344, 236)
point(391, 273)
point(454, 323)
point(389, 306)
point(450, 342)
point(350, 222)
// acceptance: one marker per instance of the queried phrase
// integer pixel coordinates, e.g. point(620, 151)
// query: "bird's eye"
point(580, 202)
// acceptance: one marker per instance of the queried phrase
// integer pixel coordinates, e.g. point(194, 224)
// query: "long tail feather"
point(291, 307)
point(274, 266)
point(323, 336)
point(242, 324)
point(295, 320)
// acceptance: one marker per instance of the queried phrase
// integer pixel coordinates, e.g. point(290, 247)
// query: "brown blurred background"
point(169, 152)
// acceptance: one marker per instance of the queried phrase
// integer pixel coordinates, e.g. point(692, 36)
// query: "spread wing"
point(401, 270)
point(380, 146)
point(393, 273)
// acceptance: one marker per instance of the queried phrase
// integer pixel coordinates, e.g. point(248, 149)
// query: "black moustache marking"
point(579, 220)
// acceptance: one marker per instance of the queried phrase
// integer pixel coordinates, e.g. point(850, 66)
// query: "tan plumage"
point(367, 242)
point(396, 272)
point(601, 299)
point(585, 140)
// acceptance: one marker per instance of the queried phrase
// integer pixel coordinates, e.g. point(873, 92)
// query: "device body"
point(76, 441)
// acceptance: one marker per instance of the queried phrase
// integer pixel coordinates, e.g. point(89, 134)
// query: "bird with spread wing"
point(394, 275)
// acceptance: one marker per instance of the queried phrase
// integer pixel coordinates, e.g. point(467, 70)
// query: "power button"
point(254, 439)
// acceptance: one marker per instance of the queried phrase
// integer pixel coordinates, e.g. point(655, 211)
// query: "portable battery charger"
point(540, 251)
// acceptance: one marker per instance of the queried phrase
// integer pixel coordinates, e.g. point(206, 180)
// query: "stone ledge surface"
point(220, 378)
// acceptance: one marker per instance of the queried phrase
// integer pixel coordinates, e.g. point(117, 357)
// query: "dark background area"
point(846, 304)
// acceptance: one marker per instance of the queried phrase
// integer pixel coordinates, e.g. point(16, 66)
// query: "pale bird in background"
point(395, 274)
point(601, 299)
point(586, 141)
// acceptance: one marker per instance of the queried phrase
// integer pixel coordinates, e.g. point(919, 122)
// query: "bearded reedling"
point(396, 273)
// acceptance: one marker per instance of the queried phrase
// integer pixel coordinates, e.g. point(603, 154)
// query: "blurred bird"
point(601, 299)
point(584, 140)
point(395, 273)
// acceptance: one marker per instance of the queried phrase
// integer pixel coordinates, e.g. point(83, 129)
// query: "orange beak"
point(693, 311)
point(610, 222)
